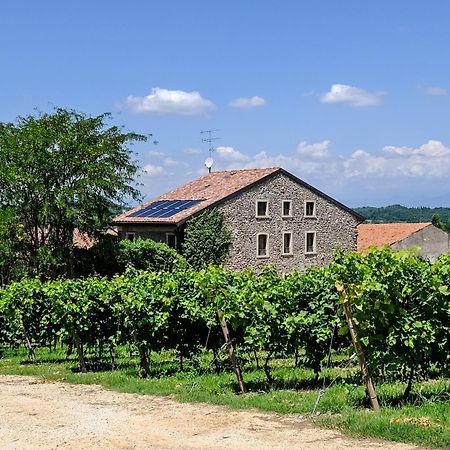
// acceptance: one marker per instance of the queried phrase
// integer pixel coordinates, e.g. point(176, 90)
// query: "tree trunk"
point(370, 388)
point(231, 353)
point(256, 359)
point(29, 346)
point(112, 356)
point(69, 349)
point(267, 371)
point(143, 361)
point(81, 360)
point(408, 389)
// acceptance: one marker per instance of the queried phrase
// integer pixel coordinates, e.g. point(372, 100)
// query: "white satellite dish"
point(209, 163)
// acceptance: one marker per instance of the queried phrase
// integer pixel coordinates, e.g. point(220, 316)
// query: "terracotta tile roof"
point(210, 189)
point(380, 234)
point(85, 241)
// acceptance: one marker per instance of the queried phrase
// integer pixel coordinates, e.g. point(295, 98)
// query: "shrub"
point(145, 254)
point(206, 239)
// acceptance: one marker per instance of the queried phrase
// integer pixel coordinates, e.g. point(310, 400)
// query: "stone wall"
point(334, 226)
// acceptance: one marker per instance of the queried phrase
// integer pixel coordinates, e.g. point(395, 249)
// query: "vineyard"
point(400, 304)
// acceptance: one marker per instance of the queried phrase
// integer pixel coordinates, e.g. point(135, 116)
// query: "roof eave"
point(322, 194)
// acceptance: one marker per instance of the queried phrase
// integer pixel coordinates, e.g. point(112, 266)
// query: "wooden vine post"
point(231, 352)
point(370, 388)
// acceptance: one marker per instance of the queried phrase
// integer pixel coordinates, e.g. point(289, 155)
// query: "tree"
point(206, 239)
point(60, 171)
point(437, 222)
point(12, 265)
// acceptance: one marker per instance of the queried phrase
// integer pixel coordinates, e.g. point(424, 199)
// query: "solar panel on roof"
point(164, 208)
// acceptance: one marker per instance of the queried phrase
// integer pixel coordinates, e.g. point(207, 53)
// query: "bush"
point(145, 254)
point(110, 257)
point(206, 240)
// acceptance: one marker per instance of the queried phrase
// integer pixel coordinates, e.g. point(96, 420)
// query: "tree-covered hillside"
point(398, 213)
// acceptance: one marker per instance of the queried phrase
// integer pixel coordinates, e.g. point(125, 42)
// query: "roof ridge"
point(245, 170)
point(208, 188)
point(396, 223)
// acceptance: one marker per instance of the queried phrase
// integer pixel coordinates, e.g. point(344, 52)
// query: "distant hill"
point(399, 213)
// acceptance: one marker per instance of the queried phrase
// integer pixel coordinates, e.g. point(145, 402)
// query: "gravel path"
point(41, 415)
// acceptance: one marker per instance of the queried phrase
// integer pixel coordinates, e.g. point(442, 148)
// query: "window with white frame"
point(171, 240)
point(287, 243)
point(310, 208)
point(262, 245)
point(130, 235)
point(262, 208)
point(310, 242)
point(286, 208)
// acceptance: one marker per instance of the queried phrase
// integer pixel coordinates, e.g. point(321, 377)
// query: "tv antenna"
point(209, 139)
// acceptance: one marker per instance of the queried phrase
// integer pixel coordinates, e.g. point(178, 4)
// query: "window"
point(310, 209)
point(171, 240)
point(262, 245)
point(287, 244)
point(310, 242)
point(130, 235)
point(262, 208)
point(286, 208)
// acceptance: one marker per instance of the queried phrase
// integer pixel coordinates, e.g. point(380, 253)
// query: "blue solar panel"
point(164, 208)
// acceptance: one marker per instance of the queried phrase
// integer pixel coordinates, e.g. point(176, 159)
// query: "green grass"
point(424, 420)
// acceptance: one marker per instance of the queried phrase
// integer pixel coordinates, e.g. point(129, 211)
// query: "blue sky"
point(353, 97)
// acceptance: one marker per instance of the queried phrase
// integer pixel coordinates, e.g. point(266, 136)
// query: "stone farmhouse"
point(274, 217)
point(430, 240)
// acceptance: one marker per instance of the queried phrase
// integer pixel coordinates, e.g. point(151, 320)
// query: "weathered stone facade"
point(334, 226)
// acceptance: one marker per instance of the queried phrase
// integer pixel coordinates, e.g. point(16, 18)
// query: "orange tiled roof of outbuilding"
point(380, 234)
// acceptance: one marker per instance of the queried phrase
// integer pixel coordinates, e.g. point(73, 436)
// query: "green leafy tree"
point(437, 222)
point(398, 213)
point(60, 171)
point(12, 265)
point(207, 240)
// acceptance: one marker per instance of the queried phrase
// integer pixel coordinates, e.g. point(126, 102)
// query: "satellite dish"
point(208, 163)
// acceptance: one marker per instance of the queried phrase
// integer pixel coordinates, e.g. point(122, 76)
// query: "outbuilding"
point(430, 240)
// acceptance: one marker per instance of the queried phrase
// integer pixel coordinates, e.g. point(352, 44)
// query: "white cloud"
point(230, 154)
point(434, 90)
point(164, 101)
point(363, 164)
point(429, 161)
point(170, 162)
point(247, 102)
point(392, 174)
point(293, 162)
point(351, 95)
point(192, 151)
point(152, 170)
point(431, 149)
point(155, 154)
point(317, 150)
point(263, 159)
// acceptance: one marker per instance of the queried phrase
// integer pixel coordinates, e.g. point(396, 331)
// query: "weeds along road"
point(42, 415)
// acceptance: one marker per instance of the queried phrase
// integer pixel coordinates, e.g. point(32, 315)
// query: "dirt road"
point(40, 415)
